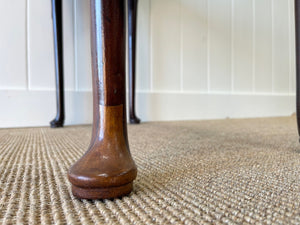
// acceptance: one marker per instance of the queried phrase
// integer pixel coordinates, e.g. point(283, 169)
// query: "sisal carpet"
point(204, 172)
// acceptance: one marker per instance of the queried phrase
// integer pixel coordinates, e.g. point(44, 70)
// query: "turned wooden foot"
point(57, 13)
point(107, 169)
point(132, 20)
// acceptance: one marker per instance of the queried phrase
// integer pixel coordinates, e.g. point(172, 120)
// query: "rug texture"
point(197, 172)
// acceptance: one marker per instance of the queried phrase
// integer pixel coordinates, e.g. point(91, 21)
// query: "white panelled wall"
point(197, 59)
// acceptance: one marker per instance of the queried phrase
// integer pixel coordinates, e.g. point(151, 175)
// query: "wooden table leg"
point(132, 20)
point(59, 64)
point(297, 19)
point(107, 170)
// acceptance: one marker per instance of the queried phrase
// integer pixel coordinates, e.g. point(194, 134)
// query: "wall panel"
point(40, 45)
point(220, 45)
point(196, 59)
point(143, 67)
point(281, 49)
point(69, 44)
point(13, 55)
point(243, 68)
point(82, 46)
point(165, 44)
point(263, 46)
point(292, 47)
point(194, 45)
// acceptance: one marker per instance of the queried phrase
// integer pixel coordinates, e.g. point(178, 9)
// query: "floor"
point(197, 172)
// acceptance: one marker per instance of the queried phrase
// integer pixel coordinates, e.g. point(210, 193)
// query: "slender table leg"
point(132, 18)
point(297, 18)
point(59, 69)
point(107, 170)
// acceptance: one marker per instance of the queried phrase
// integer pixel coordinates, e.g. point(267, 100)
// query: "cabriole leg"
point(57, 15)
point(132, 20)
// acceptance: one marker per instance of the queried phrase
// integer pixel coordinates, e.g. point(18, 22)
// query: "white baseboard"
point(197, 106)
point(21, 108)
point(38, 108)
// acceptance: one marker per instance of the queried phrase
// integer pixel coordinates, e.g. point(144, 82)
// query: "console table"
point(107, 169)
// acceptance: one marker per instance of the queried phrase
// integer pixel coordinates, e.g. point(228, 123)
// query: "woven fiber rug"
point(198, 172)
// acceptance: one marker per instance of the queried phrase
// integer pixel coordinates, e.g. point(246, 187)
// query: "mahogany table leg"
point(107, 169)
point(297, 18)
point(132, 20)
point(59, 69)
